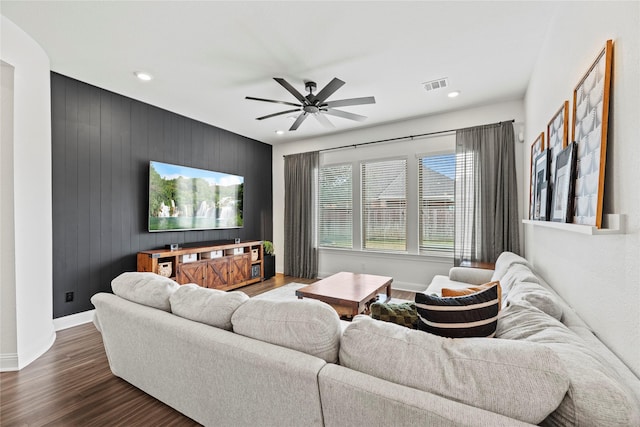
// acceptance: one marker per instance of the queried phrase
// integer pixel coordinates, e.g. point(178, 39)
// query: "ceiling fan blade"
point(298, 121)
point(351, 101)
point(291, 90)
point(278, 114)
point(323, 120)
point(272, 100)
point(329, 89)
point(345, 115)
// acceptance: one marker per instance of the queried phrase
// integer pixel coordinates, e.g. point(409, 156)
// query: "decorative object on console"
point(557, 138)
point(268, 247)
point(590, 121)
point(165, 269)
point(474, 315)
point(564, 185)
point(316, 105)
point(536, 149)
point(541, 187)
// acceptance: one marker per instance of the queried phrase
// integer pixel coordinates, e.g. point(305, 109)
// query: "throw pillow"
point(306, 325)
point(403, 314)
point(147, 289)
point(210, 306)
point(597, 396)
point(448, 292)
point(520, 380)
point(467, 316)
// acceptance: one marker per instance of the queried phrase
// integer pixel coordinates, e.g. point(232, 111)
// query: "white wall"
point(8, 336)
point(30, 143)
point(598, 275)
point(412, 272)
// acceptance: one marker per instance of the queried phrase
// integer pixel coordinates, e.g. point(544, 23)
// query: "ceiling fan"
point(316, 105)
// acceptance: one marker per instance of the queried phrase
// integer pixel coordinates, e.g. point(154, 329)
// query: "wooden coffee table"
point(348, 293)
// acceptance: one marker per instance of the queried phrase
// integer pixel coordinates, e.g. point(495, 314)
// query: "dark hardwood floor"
point(72, 385)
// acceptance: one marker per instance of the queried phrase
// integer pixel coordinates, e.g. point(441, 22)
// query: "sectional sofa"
point(225, 359)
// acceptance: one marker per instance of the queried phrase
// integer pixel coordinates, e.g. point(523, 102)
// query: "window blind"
point(335, 211)
point(384, 205)
point(436, 177)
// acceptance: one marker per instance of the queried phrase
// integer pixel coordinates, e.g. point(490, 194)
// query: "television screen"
point(184, 198)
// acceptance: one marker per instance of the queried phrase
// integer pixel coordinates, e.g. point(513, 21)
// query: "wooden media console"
point(222, 266)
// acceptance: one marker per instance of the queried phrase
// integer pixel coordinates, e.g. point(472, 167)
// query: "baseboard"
point(15, 362)
point(73, 320)
point(9, 362)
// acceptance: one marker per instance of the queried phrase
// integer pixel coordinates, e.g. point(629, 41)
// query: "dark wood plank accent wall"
point(102, 143)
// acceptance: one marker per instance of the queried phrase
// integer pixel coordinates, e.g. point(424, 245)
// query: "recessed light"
point(453, 94)
point(279, 132)
point(143, 76)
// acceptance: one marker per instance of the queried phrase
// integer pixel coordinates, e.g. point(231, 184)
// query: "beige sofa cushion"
point(596, 395)
point(537, 296)
point(210, 306)
point(306, 325)
point(515, 274)
point(506, 260)
point(516, 379)
point(147, 289)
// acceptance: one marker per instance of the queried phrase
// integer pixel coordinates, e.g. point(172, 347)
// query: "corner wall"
point(598, 275)
point(29, 217)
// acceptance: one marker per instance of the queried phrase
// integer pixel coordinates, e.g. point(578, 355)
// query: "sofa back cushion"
point(506, 260)
point(210, 306)
point(516, 273)
point(466, 316)
point(521, 380)
point(148, 289)
point(596, 395)
point(306, 325)
point(537, 296)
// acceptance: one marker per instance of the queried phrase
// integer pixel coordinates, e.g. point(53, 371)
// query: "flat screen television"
point(184, 198)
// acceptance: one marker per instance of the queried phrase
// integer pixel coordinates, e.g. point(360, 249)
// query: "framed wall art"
point(541, 191)
point(536, 149)
point(557, 138)
point(590, 121)
point(564, 185)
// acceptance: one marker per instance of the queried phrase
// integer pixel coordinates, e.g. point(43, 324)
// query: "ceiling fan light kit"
point(316, 105)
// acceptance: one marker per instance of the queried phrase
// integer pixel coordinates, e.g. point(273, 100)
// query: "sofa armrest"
point(473, 276)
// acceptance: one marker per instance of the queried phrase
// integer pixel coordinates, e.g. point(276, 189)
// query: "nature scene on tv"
point(183, 198)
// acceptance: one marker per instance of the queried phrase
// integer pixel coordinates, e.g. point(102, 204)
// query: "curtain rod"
point(405, 137)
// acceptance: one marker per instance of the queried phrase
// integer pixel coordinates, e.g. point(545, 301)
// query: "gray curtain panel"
point(300, 252)
point(486, 198)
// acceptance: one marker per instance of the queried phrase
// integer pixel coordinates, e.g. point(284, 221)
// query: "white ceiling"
point(207, 56)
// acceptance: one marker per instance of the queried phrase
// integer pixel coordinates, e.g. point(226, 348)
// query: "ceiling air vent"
point(436, 84)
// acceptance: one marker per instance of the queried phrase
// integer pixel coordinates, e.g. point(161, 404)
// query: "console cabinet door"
point(240, 268)
point(193, 272)
point(217, 273)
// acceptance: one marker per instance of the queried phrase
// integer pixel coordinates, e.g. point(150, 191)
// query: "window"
point(384, 205)
point(335, 212)
point(436, 178)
